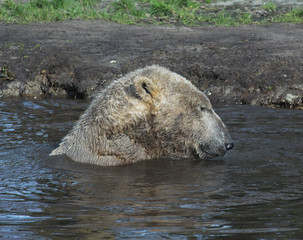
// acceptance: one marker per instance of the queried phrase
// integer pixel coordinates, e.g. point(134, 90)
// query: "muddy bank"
point(258, 65)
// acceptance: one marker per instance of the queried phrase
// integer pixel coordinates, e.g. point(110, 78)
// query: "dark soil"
point(258, 65)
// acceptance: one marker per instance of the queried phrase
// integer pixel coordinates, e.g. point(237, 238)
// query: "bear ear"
point(145, 88)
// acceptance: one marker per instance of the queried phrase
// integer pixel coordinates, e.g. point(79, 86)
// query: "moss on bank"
point(183, 12)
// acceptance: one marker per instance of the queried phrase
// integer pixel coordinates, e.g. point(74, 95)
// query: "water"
point(254, 192)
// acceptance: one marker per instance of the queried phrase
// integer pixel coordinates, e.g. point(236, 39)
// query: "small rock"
point(291, 98)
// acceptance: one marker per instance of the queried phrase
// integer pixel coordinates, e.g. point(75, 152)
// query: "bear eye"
point(202, 108)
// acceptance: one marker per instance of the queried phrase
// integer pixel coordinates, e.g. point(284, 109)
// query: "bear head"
point(183, 121)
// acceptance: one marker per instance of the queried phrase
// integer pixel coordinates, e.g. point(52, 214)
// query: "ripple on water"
point(255, 191)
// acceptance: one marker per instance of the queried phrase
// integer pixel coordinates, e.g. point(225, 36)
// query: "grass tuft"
point(294, 16)
point(270, 7)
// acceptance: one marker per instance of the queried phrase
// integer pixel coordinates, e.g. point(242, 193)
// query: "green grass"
point(294, 16)
point(184, 12)
point(47, 10)
point(5, 75)
point(270, 7)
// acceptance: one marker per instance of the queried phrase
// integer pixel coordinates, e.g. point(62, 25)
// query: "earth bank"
point(257, 65)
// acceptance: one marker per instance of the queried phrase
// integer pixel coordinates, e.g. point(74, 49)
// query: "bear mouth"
point(201, 155)
point(207, 155)
point(204, 151)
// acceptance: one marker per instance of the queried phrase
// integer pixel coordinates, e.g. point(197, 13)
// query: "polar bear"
point(149, 113)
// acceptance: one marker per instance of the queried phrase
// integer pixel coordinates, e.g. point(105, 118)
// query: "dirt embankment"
point(259, 65)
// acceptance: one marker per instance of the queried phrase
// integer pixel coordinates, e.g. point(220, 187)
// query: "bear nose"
point(229, 146)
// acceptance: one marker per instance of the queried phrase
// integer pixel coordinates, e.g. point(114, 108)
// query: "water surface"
point(254, 192)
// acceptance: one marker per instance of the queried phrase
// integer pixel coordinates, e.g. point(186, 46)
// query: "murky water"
point(254, 192)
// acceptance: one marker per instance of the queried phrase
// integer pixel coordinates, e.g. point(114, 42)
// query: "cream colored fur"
point(149, 113)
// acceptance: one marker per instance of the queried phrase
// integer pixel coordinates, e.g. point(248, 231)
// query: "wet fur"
point(149, 113)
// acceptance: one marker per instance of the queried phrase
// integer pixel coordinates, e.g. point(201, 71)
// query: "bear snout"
point(212, 151)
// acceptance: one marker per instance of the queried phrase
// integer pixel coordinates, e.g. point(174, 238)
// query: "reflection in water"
point(255, 191)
